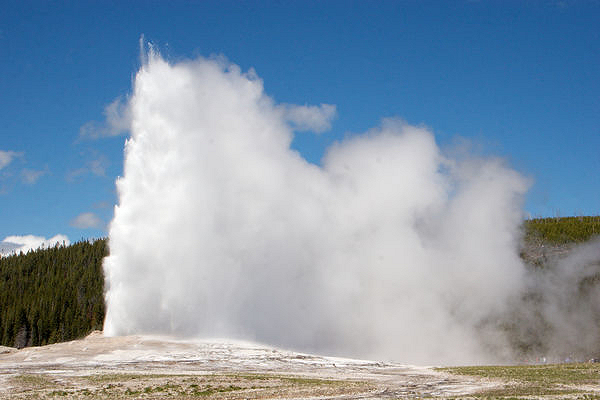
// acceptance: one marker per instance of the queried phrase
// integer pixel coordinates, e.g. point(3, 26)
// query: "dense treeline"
point(562, 230)
point(51, 295)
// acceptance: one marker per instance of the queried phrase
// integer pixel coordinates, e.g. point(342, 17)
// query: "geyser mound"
point(390, 249)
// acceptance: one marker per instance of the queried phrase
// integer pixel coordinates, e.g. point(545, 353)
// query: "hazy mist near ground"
point(392, 249)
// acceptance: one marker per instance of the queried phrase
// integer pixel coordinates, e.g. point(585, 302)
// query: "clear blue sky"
point(521, 79)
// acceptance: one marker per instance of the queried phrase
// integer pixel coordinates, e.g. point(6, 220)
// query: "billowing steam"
point(390, 249)
point(16, 244)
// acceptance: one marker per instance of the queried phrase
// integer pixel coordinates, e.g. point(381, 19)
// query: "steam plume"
point(390, 249)
point(15, 244)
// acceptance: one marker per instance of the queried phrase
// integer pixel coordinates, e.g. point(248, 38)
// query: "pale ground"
point(160, 367)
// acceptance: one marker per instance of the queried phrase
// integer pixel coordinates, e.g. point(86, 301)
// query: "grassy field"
point(554, 381)
point(575, 381)
point(153, 386)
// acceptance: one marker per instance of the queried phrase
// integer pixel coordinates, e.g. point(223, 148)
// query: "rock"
point(5, 350)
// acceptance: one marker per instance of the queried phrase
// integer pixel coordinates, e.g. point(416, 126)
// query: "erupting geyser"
point(389, 249)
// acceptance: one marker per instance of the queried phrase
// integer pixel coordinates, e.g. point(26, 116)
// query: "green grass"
point(526, 391)
point(577, 373)
point(126, 377)
point(290, 379)
point(536, 380)
point(36, 380)
point(180, 386)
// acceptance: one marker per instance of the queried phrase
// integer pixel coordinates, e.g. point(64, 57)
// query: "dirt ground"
point(160, 367)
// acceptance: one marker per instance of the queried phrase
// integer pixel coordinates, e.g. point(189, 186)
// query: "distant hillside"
point(51, 295)
point(560, 231)
point(546, 240)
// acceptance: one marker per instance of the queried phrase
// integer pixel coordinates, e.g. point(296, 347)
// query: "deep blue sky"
point(521, 79)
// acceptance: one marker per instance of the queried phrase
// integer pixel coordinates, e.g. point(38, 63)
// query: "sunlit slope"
point(564, 230)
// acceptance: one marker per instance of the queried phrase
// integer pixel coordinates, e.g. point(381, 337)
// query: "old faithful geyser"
point(390, 249)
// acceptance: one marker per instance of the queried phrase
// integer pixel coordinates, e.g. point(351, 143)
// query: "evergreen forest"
point(52, 295)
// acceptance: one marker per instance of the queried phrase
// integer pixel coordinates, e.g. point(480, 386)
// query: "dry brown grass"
point(153, 386)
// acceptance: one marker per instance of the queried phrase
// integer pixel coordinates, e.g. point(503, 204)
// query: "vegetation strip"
point(563, 230)
point(118, 386)
point(536, 380)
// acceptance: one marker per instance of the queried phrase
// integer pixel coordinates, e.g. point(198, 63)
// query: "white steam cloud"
point(6, 157)
point(390, 249)
point(117, 122)
point(310, 118)
point(87, 220)
point(558, 315)
point(16, 244)
point(31, 176)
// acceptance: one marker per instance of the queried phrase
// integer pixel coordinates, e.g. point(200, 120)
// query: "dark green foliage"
point(562, 230)
point(52, 295)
